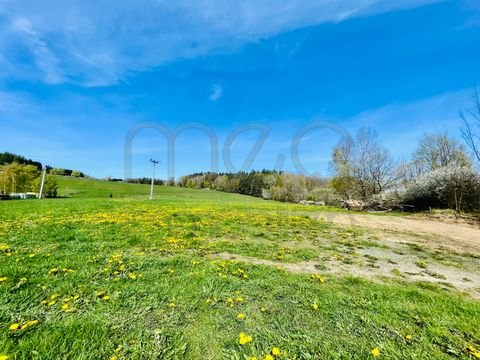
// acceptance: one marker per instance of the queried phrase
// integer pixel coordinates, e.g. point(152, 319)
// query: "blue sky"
point(75, 78)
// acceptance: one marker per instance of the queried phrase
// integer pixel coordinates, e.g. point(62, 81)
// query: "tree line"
point(9, 158)
point(22, 178)
point(20, 175)
point(267, 184)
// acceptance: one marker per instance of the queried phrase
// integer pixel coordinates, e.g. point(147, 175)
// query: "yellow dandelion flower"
point(30, 323)
point(244, 339)
point(3, 279)
point(241, 316)
point(263, 309)
point(106, 298)
point(173, 305)
point(376, 352)
point(315, 306)
point(408, 337)
point(14, 327)
point(51, 303)
point(4, 357)
point(268, 357)
point(275, 351)
point(132, 276)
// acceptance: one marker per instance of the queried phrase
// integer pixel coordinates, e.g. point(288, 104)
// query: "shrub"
point(76, 173)
point(455, 188)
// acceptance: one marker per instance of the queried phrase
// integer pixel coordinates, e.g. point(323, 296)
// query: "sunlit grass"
point(129, 278)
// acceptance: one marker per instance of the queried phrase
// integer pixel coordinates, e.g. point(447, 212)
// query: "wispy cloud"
point(94, 43)
point(217, 92)
point(44, 58)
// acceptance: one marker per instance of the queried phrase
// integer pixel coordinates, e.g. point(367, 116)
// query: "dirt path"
point(464, 281)
point(459, 236)
point(408, 248)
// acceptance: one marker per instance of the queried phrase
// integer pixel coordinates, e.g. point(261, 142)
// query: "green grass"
point(170, 296)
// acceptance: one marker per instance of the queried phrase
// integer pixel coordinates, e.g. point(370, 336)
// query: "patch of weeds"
point(370, 257)
point(413, 273)
point(347, 260)
point(397, 272)
point(447, 284)
point(322, 267)
point(421, 264)
point(373, 244)
point(416, 247)
point(435, 275)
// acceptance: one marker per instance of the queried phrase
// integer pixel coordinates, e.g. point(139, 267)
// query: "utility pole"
point(44, 174)
point(154, 163)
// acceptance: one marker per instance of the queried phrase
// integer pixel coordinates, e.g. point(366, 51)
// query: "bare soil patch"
point(458, 235)
point(414, 248)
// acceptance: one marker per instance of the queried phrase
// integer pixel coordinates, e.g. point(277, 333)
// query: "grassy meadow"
point(94, 277)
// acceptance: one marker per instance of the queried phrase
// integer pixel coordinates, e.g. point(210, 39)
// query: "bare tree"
point(438, 150)
point(364, 167)
point(471, 125)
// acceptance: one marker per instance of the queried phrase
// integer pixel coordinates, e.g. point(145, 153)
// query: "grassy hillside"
point(93, 277)
point(88, 188)
point(81, 187)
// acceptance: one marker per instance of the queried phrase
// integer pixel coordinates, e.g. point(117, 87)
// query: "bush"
point(76, 173)
point(455, 188)
point(57, 171)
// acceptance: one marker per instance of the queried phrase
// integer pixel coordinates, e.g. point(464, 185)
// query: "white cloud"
point(217, 92)
point(44, 58)
point(96, 42)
